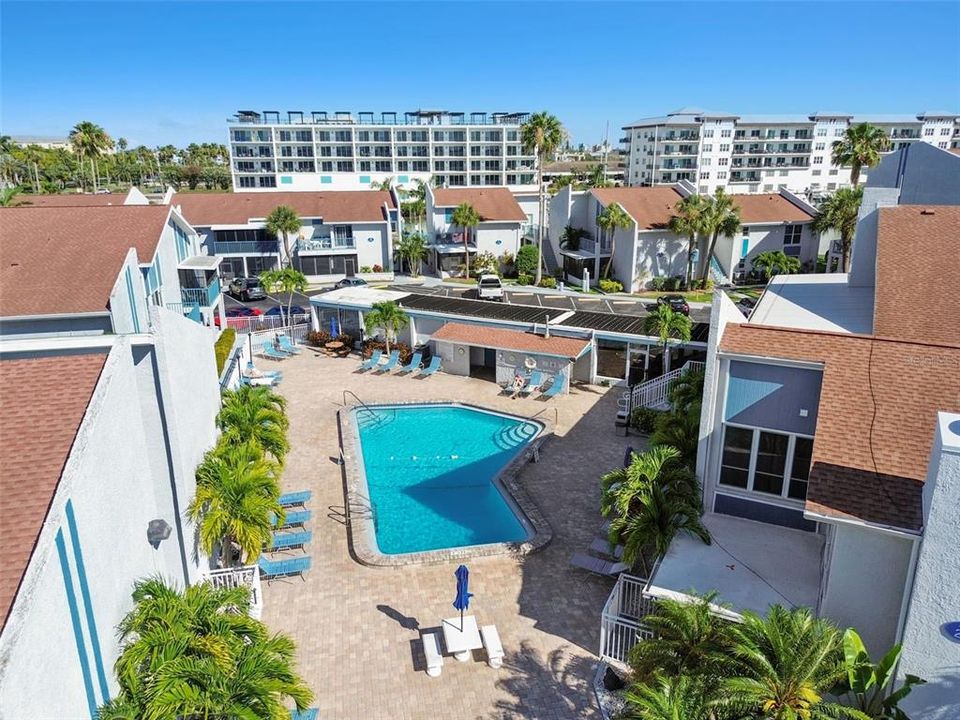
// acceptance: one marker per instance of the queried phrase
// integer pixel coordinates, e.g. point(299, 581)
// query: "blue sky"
point(173, 72)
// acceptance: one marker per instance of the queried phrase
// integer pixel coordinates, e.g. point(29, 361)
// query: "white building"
point(762, 153)
point(352, 151)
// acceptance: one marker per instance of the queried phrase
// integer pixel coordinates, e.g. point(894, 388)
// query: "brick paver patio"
point(357, 628)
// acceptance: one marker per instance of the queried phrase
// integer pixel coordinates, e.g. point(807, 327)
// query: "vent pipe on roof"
point(546, 332)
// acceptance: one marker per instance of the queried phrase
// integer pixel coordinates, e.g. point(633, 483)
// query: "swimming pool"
point(431, 474)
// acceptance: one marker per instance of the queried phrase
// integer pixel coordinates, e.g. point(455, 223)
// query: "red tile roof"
point(208, 209)
point(651, 207)
point(72, 200)
point(502, 339)
point(66, 260)
point(42, 403)
point(918, 260)
point(770, 208)
point(492, 204)
point(879, 400)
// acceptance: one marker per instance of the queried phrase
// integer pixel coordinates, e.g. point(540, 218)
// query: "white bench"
point(491, 641)
point(431, 650)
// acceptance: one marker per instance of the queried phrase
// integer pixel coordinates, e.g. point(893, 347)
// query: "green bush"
point(644, 419)
point(548, 282)
point(364, 268)
point(658, 283)
point(526, 260)
point(485, 263)
point(672, 284)
point(524, 279)
point(611, 286)
point(223, 346)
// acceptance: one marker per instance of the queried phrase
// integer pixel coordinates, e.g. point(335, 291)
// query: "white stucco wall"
point(122, 307)
point(454, 357)
point(660, 253)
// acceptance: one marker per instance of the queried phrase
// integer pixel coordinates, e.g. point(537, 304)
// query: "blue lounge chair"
point(290, 540)
point(559, 380)
point(295, 498)
point(270, 381)
point(415, 362)
point(372, 361)
point(288, 346)
point(431, 368)
point(534, 383)
point(267, 350)
point(391, 362)
point(308, 714)
point(273, 569)
point(294, 518)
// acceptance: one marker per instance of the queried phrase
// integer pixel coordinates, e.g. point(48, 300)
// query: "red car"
point(237, 312)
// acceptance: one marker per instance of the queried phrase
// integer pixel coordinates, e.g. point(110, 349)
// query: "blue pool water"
point(429, 472)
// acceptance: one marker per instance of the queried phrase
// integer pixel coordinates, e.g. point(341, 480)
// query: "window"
point(927, 132)
point(708, 147)
point(945, 131)
point(735, 462)
point(725, 147)
point(816, 173)
point(768, 188)
point(247, 182)
point(833, 171)
point(723, 161)
point(943, 144)
point(708, 133)
point(791, 234)
point(722, 175)
point(704, 176)
point(705, 161)
point(267, 181)
point(817, 160)
point(771, 459)
point(821, 132)
point(704, 189)
point(838, 132)
point(800, 468)
point(766, 462)
point(724, 133)
point(820, 146)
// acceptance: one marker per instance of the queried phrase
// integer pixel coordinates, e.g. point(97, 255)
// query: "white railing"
point(297, 333)
point(621, 620)
point(653, 393)
point(264, 322)
point(247, 576)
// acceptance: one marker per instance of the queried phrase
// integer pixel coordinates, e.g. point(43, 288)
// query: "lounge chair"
point(257, 381)
point(535, 381)
point(559, 380)
point(288, 346)
point(268, 351)
point(598, 566)
point(291, 540)
point(252, 371)
point(431, 651)
point(390, 364)
point(294, 518)
point(431, 368)
point(308, 714)
point(273, 569)
point(372, 361)
point(294, 498)
point(601, 546)
point(415, 362)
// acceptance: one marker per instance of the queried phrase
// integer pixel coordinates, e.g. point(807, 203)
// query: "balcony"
point(267, 247)
point(589, 246)
point(203, 296)
point(326, 244)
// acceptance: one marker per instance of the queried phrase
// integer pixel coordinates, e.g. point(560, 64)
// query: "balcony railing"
point(247, 576)
point(246, 246)
point(589, 245)
point(206, 297)
point(321, 244)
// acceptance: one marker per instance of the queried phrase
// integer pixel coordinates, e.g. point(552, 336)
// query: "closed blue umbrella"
point(463, 595)
point(333, 327)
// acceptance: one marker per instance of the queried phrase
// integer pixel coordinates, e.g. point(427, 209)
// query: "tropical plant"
point(466, 217)
point(282, 222)
point(284, 280)
point(679, 429)
point(868, 685)
point(526, 260)
point(10, 197)
point(198, 655)
point(255, 413)
point(689, 222)
point(678, 698)
point(608, 285)
point(686, 391)
point(541, 135)
point(235, 503)
point(486, 263)
point(613, 218)
point(597, 176)
point(89, 140)
point(388, 316)
point(860, 147)
point(571, 236)
point(386, 184)
point(667, 324)
point(412, 250)
point(721, 216)
point(560, 182)
point(839, 212)
point(775, 262)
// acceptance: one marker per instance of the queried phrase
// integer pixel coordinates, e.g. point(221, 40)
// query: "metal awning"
point(451, 249)
point(201, 262)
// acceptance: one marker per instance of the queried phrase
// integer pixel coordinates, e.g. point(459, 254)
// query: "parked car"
point(746, 305)
point(677, 303)
point(248, 288)
point(294, 310)
point(349, 282)
point(489, 287)
point(237, 312)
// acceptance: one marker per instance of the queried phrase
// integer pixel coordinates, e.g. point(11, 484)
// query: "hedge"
point(223, 346)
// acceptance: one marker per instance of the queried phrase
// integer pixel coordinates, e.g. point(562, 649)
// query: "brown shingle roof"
point(770, 208)
point(879, 400)
point(237, 208)
point(502, 339)
point(492, 204)
point(42, 403)
point(66, 260)
point(918, 259)
point(651, 207)
point(73, 200)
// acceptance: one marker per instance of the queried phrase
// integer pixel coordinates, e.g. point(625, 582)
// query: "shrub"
point(611, 286)
point(558, 273)
point(318, 338)
point(658, 283)
point(548, 282)
point(644, 419)
point(526, 260)
point(370, 345)
point(364, 268)
point(524, 279)
point(345, 338)
point(223, 346)
point(485, 263)
point(507, 262)
point(672, 284)
point(378, 268)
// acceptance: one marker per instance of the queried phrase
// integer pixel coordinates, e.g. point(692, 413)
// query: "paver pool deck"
point(357, 628)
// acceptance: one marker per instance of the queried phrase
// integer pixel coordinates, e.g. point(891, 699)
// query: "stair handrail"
point(359, 401)
point(556, 415)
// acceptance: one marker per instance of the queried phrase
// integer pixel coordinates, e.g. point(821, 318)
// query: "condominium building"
point(352, 151)
point(763, 153)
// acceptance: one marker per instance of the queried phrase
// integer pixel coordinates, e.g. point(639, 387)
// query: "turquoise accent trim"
point(75, 621)
point(133, 302)
point(326, 180)
point(403, 178)
point(744, 247)
point(286, 180)
point(85, 594)
point(742, 393)
point(364, 179)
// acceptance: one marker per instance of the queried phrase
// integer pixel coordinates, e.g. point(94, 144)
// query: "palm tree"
point(679, 429)
point(386, 184)
point(571, 237)
point(613, 218)
point(386, 315)
point(597, 176)
point(676, 698)
point(255, 413)
point(721, 217)
point(775, 262)
point(89, 140)
point(839, 212)
point(235, 503)
point(413, 250)
point(619, 487)
point(666, 324)
point(686, 392)
point(285, 280)
point(197, 654)
point(466, 217)
point(282, 222)
point(783, 665)
point(560, 182)
point(689, 221)
point(541, 135)
point(860, 146)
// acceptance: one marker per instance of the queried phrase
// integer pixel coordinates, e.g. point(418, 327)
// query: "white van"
point(489, 287)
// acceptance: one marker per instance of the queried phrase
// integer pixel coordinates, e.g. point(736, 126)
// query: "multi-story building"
point(352, 151)
point(763, 153)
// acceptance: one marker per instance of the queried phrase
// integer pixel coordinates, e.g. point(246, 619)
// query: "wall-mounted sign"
point(499, 242)
point(370, 239)
point(952, 630)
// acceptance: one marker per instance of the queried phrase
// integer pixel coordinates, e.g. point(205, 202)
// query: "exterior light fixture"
point(157, 530)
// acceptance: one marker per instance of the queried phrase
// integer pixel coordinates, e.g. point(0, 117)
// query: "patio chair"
point(372, 361)
point(274, 569)
point(256, 381)
point(415, 362)
point(390, 364)
point(601, 546)
point(268, 351)
point(556, 388)
point(430, 369)
point(290, 540)
point(288, 346)
point(535, 381)
point(253, 371)
point(598, 566)
point(308, 714)
point(294, 518)
point(294, 498)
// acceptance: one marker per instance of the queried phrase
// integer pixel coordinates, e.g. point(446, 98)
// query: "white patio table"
point(461, 642)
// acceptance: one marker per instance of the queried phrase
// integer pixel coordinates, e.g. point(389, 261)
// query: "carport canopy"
point(513, 340)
